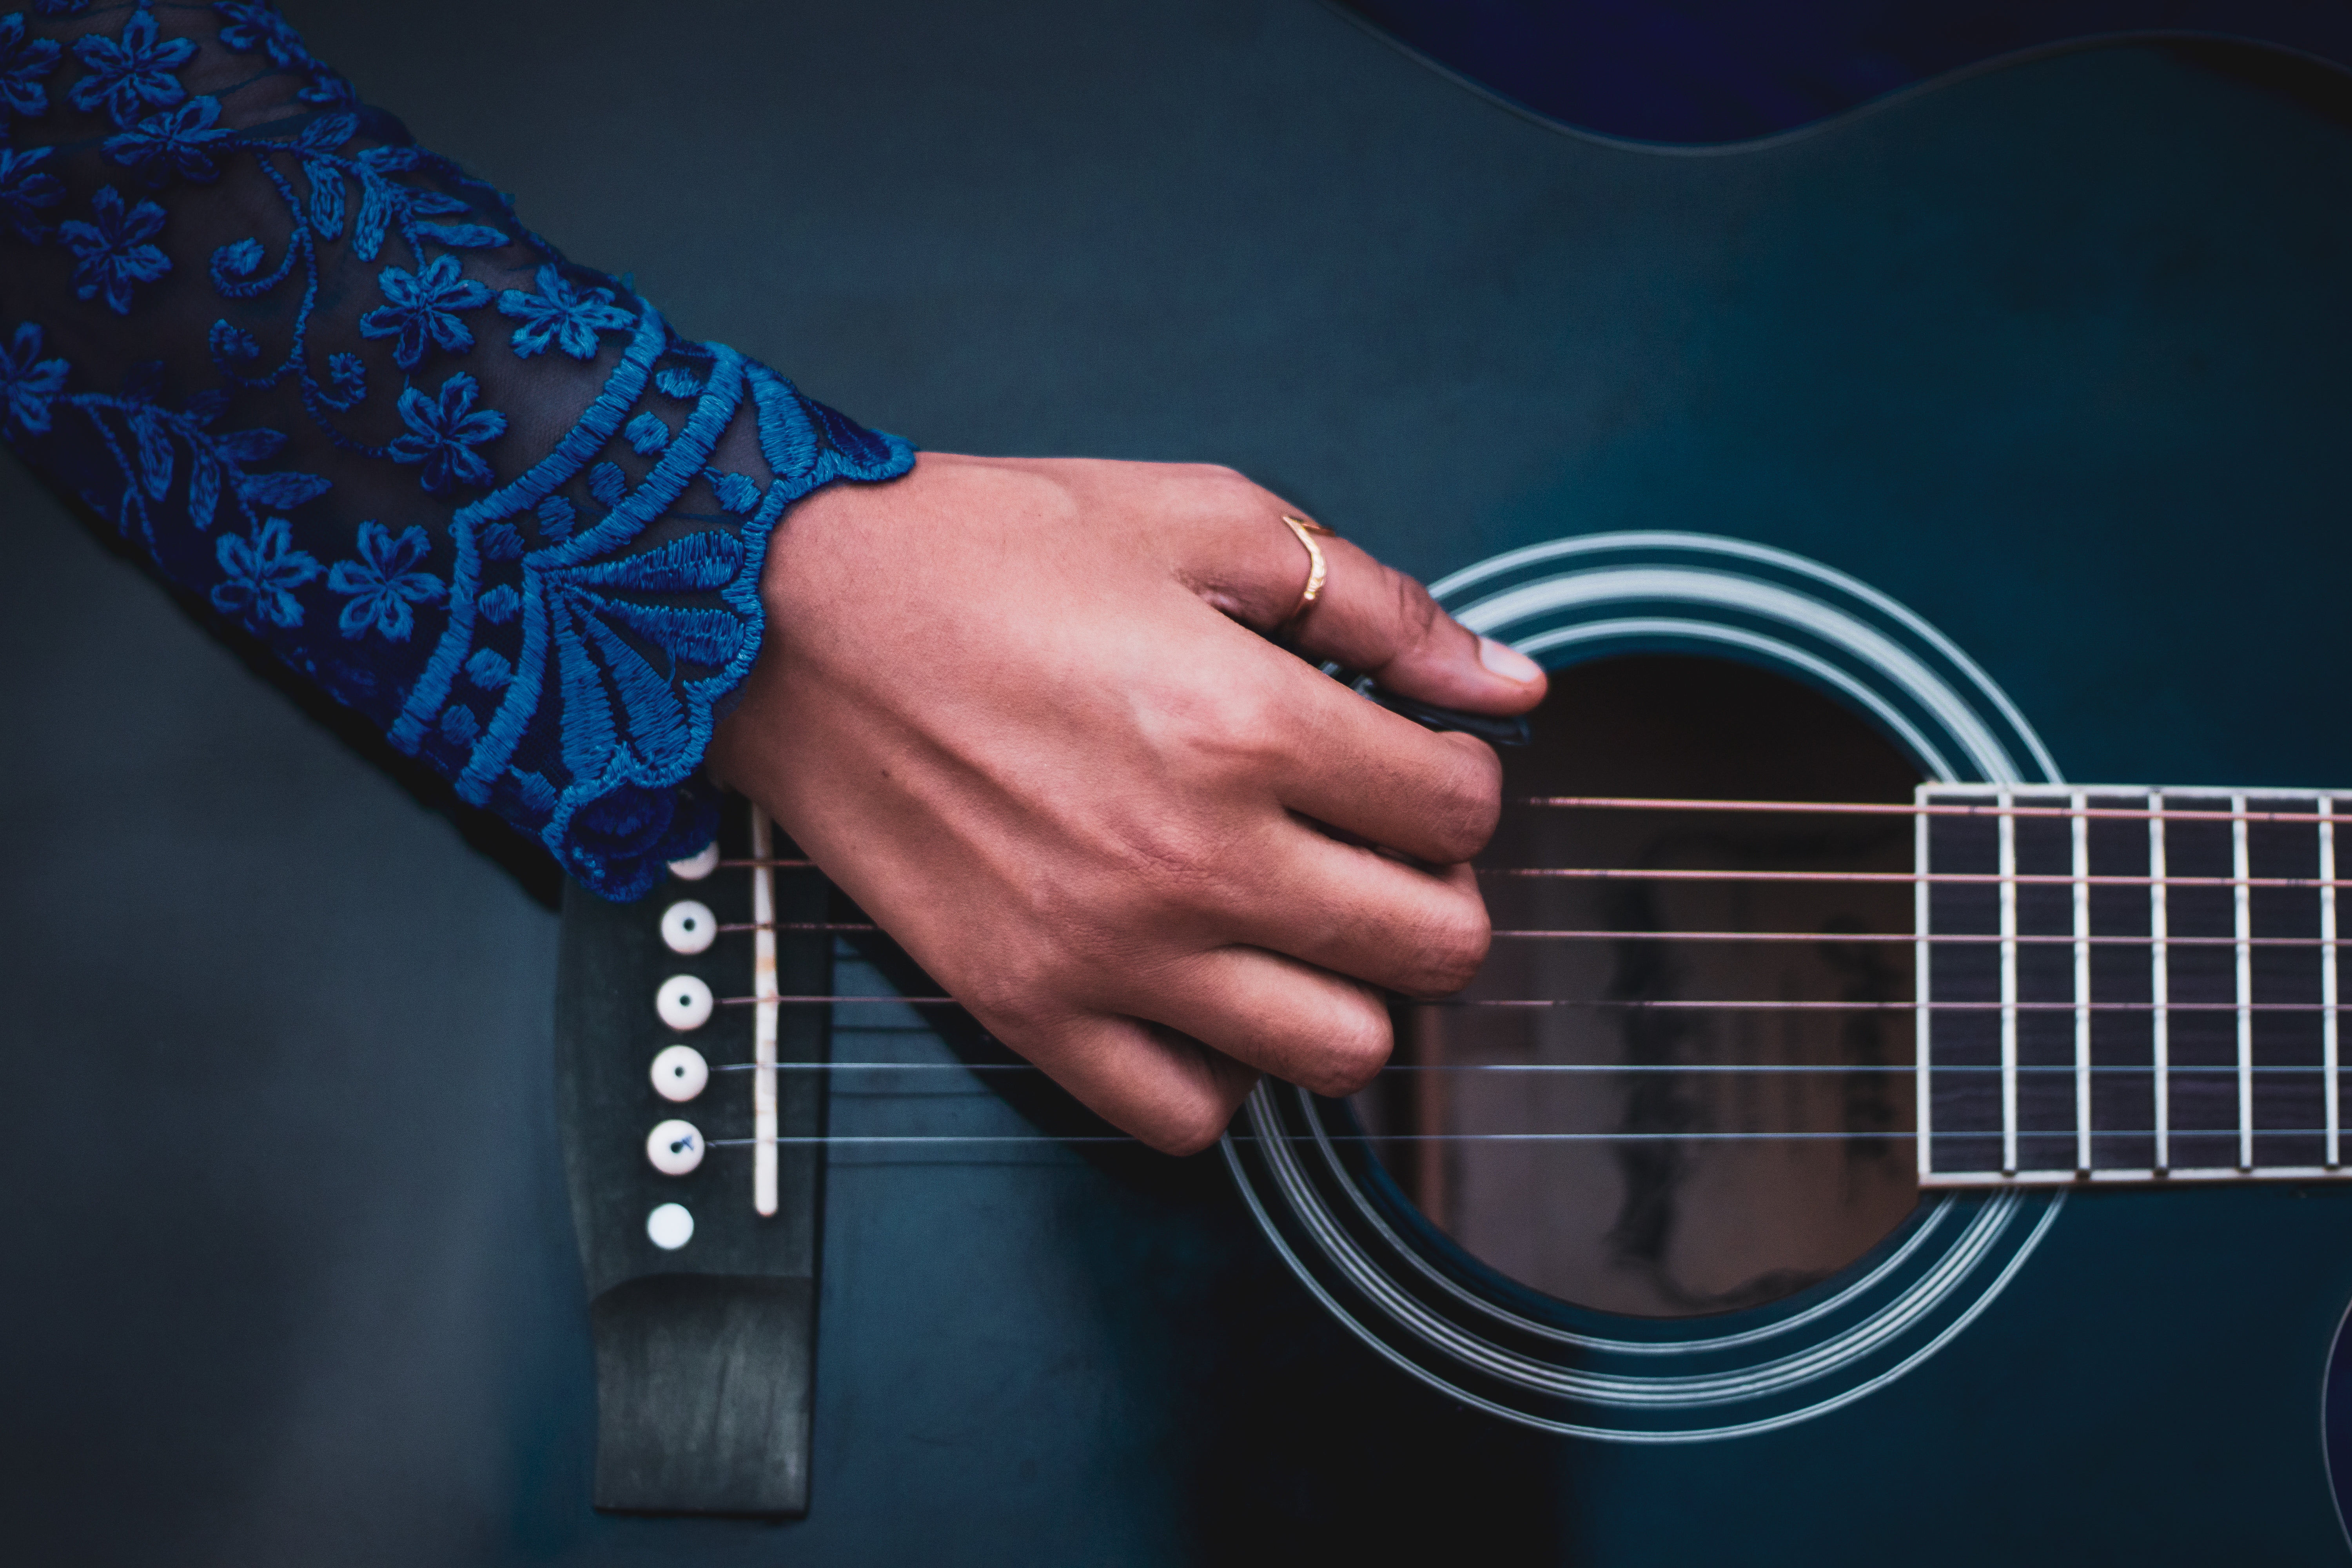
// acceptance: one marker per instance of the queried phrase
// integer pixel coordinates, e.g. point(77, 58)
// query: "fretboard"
point(2127, 984)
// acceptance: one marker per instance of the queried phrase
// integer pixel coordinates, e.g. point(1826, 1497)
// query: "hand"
point(1020, 711)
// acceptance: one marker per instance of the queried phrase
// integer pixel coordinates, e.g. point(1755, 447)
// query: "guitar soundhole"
point(1700, 1184)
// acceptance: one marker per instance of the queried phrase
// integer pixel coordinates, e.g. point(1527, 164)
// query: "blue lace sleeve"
point(329, 383)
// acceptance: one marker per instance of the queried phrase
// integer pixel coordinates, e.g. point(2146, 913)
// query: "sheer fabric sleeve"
point(328, 382)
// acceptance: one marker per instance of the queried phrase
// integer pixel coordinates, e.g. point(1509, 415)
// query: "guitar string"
point(1782, 1137)
point(853, 1138)
point(1694, 1005)
point(1907, 878)
point(1902, 878)
point(1943, 808)
point(1948, 809)
point(2227, 1069)
point(1905, 939)
point(1962, 809)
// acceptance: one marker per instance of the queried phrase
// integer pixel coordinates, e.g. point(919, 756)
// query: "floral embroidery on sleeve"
point(312, 425)
point(559, 313)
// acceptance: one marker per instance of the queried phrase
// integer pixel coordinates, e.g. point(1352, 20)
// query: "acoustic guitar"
point(1901, 1149)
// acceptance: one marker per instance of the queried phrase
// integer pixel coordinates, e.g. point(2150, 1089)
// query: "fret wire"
point(2160, 982)
point(2008, 833)
point(2328, 1044)
point(2081, 827)
point(1923, 1120)
point(2242, 908)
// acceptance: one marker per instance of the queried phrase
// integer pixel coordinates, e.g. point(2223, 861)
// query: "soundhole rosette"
point(1401, 1284)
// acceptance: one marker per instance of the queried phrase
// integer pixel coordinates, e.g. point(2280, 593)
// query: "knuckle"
point(1164, 864)
point(1222, 725)
point(1452, 946)
point(1229, 484)
point(1353, 1049)
point(1470, 803)
point(1248, 720)
point(1214, 494)
point(1189, 1125)
point(1015, 1001)
point(1415, 614)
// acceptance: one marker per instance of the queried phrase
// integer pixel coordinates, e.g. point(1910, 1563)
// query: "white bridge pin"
point(674, 1148)
point(689, 926)
point(695, 868)
point(679, 1073)
point(684, 1002)
point(669, 1227)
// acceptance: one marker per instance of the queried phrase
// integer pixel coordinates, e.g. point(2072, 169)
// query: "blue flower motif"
point(22, 63)
point(247, 27)
point(173, 142)
point(562, 315)
point(263, 572)
point(442, 434)
point(251, 26)
point(231, 342)
point(647, 434)
point(349, 373)
point(111, 253)
point(488, 669)
point(136, 71)
point(423, 306)
point(27, 381)
point(385, 581)
point(738, 493)
point(25, 188)
point(607, 483)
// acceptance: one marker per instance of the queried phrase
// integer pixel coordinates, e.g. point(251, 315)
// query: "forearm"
point(332, 385)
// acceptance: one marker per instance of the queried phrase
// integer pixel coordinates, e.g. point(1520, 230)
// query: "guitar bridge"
point(691, 1149)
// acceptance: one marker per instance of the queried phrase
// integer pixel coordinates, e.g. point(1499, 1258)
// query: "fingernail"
point(1508, 662)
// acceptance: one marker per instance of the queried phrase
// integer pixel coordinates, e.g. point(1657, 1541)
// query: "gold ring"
point(1315, 568)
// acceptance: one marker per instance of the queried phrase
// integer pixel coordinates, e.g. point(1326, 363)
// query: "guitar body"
point(2054, 354)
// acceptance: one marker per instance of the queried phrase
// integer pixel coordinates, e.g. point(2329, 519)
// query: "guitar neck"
point(2125, 985)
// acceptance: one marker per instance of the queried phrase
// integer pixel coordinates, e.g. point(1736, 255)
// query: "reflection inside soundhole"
point(1678, 1210)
